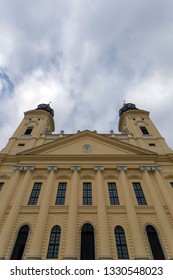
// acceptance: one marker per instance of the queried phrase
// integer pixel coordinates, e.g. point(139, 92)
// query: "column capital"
point(75, 168)
point(122, 168)
point(99, 168)
point(52, 168)
point(23, 168)
point(150, 168)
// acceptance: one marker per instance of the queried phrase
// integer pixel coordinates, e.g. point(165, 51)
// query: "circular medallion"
point(86, 148)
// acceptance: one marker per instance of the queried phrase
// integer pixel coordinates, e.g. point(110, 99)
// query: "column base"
point(141, 258)
point(33, 258)
point(70, 258)
point(105, 258)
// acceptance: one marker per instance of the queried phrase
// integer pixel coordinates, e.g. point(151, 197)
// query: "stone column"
point(104, 242)
point(161, 215)
point(70, 247)
point(5, 201)
point(12, 217)
point(164, 190)
point(37, 241)
point(138, 243)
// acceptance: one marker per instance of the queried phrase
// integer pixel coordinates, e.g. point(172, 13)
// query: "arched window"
point(121, 244)
point(20, 243)
point(154, 243)
point(87, 242)
point(54, 243)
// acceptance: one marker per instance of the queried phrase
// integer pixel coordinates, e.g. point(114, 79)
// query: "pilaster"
point(37, 241)
point(104, 242)
point(138, 243)
point(70, 248)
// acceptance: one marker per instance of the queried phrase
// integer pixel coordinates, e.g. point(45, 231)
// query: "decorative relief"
point(64, 177)
point(87, 176)
point(110, 177)
point(134, 177)
point(169, 177)
point(4, 177)
point(40, 176)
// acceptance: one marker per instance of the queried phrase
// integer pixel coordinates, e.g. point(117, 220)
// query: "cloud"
point(86, 57)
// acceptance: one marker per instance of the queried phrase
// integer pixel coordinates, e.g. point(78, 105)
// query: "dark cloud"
point(86, 57)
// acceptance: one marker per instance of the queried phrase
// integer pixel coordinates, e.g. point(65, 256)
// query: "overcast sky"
point(86, 57)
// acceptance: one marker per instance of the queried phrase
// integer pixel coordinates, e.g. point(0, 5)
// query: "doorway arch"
point(87, 242)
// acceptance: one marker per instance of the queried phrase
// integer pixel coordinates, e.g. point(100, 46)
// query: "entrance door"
point(87, 242)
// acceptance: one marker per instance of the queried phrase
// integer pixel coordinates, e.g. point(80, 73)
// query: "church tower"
point(137, 123)
point(32, 130)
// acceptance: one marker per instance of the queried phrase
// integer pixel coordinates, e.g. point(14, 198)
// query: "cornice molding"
point(87, 176)
point(64, 177)
point(40, 176)
point(110, 177)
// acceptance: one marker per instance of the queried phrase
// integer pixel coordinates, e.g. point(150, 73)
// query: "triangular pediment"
point(86, 143)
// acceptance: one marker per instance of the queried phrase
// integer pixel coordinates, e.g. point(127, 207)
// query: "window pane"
point(144, 130)
point(35, 194)
point(113, 194)
point(121, 245)
point(87, 194)
point(54, 242)
point(1, 185)
point(139, 194)
point(61, 194)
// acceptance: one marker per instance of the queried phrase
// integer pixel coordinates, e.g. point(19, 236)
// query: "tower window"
point(1, 185)
point(121, 244)
point(144, 130)
point(87, 194)
point(54, 243)
point(171, 184)
point(61, 194)
point(28, 130)
point(139, 194)
point(113, 194)
point(152, 144)
point(21, 144)
point(35, 194)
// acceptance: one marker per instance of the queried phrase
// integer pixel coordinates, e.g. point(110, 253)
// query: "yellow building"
point(86, 195)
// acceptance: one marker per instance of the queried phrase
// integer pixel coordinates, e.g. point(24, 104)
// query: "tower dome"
point(46, 107)
point(127, 107)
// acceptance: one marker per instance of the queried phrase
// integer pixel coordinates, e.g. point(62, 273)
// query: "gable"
point(86, 143)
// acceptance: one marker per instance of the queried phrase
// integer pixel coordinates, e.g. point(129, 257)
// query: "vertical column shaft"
point(104, 242)
point(8, 194)
point(70, 248)
point(161, 215)
point(12, 217)
point(36, 245)
point(138, 243)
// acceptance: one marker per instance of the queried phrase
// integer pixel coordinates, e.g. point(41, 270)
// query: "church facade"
point(86, 195)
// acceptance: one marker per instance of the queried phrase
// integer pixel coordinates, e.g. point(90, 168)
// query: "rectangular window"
point(139, 194)
point(1, 185)
point(144, 130)
point(87, 194)
point(35, 194)
point(28, 130)
point(61, 194)
point(113, 194)
point(171, 184)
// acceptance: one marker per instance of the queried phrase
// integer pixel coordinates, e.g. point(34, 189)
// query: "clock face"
point(86, 148)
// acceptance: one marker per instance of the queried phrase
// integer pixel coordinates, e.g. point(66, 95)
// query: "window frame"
point(87, 193)
point(121, 243)
point(61, 193)
point(35, 193)
point(113, 193)
point(139, 194)
point(54, 243)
